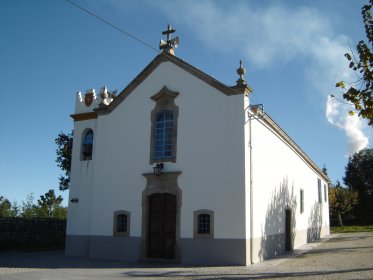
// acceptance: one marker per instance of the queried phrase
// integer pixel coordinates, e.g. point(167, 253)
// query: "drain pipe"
point(254, 112)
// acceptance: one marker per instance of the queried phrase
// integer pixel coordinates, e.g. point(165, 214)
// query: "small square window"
point(121, 223)
point(203, 224)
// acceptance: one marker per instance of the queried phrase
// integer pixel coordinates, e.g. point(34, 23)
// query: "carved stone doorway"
point(161, 207)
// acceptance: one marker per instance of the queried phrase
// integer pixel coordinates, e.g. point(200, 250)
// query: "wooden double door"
point(162, 226)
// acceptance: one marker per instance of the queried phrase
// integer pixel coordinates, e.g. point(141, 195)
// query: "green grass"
point(351, 229)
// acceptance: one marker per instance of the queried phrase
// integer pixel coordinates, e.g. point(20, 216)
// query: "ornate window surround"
point(164, 101)
point(196, 214)
point(115, 223)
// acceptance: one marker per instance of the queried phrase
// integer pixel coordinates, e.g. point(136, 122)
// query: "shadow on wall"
point(314, 222)
point(274, 239)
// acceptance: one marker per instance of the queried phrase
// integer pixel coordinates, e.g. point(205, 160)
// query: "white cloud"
point(274, 35)
point(337, 114)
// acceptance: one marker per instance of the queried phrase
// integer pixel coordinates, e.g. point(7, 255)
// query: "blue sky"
point(292, 50)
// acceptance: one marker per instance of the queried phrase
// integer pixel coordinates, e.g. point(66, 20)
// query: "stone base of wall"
point(103, 247)
point(211, 252)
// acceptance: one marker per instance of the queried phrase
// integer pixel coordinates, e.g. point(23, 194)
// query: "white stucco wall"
point(279, 173)
point(209, 154)
point(79, 214)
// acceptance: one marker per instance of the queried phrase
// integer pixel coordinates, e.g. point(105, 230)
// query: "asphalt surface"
point(343, 256)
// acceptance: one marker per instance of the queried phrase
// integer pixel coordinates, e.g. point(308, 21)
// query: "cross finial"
point(169, 45)
point(168, 32)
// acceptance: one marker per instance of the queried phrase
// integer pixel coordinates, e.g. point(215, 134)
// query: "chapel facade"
point(181, 167)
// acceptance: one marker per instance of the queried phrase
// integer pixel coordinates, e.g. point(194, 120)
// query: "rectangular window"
point(319, 190)
point(325, 192)
point(301, 201)
point(163, 135)
point(122, 223)
point(203, 224)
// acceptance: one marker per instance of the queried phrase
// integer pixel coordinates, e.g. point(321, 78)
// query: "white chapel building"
point(181, 167)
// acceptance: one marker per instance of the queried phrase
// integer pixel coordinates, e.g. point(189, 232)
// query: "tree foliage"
point(65, 145)
point(341, 201)
point(5, 207)
point(324, 170)
point(48, 203)
point(28, 208)
point(361, 93)
point(48, 206)
point(359, 177)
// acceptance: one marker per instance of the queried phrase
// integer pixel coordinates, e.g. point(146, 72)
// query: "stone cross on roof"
point(169, 45)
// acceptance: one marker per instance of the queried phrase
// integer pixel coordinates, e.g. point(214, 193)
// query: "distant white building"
point(181, 167)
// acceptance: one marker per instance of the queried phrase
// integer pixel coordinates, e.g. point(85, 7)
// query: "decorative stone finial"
point(241, 85)
point(103, 94)
point(241, 72)
point(169, 45)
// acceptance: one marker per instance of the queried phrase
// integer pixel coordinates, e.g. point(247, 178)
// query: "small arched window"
point(164, 135)
point(203, 223)
point(87, 145)
point(121, 225)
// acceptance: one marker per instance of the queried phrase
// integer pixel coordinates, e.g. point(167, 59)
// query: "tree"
point(361, 93)
point(324, 170)
point(5, 207)
point(60, 213)
point(48, 203)
point(359, 177)
point(28, 208)
point(64, 151)
point(341, 201)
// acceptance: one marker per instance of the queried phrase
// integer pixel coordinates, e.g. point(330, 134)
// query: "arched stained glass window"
point(164, 117)
point(87, 145)
point(163, 135)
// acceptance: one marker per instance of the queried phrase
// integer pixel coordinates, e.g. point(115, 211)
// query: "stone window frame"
point(115, 223)
point(84, 134)
point(164, 101)
point(196, 225)
point(301, 200)
point(325, 193)
point(319, 190)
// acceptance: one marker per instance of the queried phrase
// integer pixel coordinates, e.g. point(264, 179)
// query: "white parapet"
point(85, 103)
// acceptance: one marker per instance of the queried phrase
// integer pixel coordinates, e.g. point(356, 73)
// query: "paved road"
point(344, 256)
